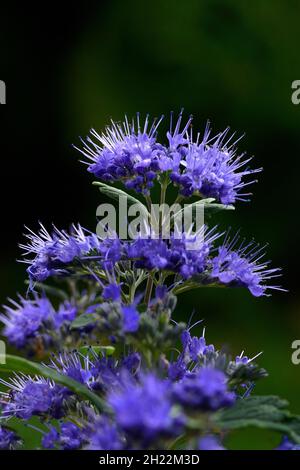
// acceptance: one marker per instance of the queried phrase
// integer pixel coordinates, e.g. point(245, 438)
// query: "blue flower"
point(95, 371)
point(126, 152)
point(129, 152)
point(144, 410)
point(178, 139)
point(28, 321)
point(174, 254)
point(8, 439)
point(52, 253)
point(111, 250)
point(161, 292)
point(131, 318)
point(69, 437)
point(50, 439)
point(209, 442)
point(177, 369)
point(212, 168)
point(65, 314)
point(286, 444)
point(104, 435)
point(205, 389)
point(194, 347)
point(23, 320)
point(242, 267)
point(132, 362)
point(112, 292)
point(76, 366)
point(33, 396)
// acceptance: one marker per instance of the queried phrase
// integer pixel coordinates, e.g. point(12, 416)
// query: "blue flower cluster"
point(159, 403)
point(8, 439)
point(53, 253)
point(130, 152)
point(69, 437)
point(33, 396)
point(36, 319)
point(241, 266)
point(118, 372)
point(205, 390)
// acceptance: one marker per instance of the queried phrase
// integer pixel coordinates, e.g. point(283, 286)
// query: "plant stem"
point(149, 203)
point(163, 191)
point(178, 199)
point(148, 289)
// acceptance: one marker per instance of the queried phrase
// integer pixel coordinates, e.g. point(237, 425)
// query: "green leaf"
point(83, 320)
point(107, 350)
point(115, 193)
point(209, 207)
point(201, 280)
point(19, 364)
point(267, 412)
point(50, 290)
point(181, 443)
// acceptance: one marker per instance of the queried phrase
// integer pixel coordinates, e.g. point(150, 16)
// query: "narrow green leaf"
point(115, 193)
point(19, 364)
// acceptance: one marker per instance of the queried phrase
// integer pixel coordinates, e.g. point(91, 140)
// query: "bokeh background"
point(233, 62)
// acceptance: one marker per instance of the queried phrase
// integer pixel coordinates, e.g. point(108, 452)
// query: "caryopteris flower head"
point(213, 168)
point(130, 152)
point(23, 320)
point(51, 252)
point(241, 265)
point(205, 389)
point(33, 396)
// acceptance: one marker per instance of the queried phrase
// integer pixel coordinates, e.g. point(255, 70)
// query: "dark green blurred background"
point(233, 61)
